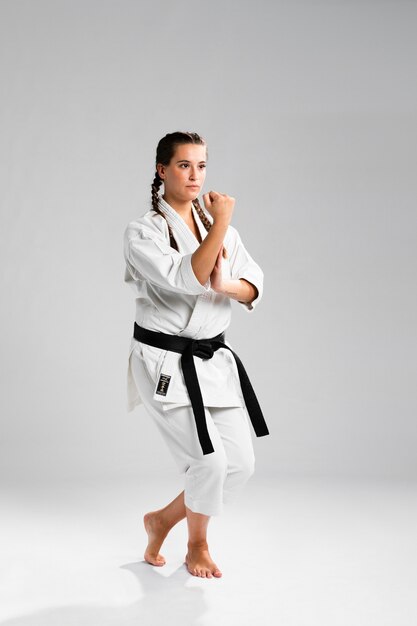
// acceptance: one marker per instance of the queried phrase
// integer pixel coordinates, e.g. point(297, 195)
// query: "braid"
point(206, 222)
point(157, 182)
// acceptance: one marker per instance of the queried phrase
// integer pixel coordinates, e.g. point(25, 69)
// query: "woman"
point(185, 264)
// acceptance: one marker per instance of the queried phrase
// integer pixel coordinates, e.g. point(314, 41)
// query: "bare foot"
point(199, 561)
point(157, 531)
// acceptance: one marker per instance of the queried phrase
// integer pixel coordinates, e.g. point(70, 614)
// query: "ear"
point(160, 169)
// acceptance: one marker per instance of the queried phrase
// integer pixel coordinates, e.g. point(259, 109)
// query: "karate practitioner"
point(185, 264)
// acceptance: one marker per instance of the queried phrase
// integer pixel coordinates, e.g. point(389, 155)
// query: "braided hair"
point(164, 153)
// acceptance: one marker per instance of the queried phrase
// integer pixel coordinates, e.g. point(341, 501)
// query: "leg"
point(235, 432)
point(233, 426)
point(158, 524)
point(198, 559)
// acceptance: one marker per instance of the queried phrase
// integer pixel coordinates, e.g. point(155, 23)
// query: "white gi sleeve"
point(242, 265)
point(149, 257)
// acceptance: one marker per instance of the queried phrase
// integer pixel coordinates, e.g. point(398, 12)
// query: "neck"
point(183, 208)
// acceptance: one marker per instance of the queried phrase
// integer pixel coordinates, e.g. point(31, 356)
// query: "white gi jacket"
point(170, 299)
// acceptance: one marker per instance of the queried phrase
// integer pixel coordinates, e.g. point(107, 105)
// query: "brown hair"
point(164, 153)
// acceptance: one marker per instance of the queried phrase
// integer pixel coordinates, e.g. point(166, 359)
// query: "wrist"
point(221, 222)
point(230, 287)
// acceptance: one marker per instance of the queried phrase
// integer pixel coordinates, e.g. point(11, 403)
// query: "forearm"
point(204, 258)
point(239, 289)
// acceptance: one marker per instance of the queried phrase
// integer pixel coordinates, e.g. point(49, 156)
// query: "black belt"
point(203, 348)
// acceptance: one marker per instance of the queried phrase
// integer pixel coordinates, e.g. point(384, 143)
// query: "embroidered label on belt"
point(163, 384)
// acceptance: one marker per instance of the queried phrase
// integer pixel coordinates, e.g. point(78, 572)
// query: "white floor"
point(292, 552)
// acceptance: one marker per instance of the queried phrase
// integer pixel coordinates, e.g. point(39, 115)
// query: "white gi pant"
point(214, 479)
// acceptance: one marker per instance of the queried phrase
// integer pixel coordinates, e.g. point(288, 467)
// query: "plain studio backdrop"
point(309, 113)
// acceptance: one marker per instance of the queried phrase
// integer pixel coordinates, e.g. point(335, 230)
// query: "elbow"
point(189, 277)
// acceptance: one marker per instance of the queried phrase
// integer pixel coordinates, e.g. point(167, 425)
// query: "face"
point(187, 168)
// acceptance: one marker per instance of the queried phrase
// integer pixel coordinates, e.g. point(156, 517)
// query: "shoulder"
point(149, 224)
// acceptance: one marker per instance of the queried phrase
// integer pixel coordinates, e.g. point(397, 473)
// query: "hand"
point(219, 205)
point(216, 280)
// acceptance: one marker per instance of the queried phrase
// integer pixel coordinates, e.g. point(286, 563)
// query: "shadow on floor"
point(164, 599)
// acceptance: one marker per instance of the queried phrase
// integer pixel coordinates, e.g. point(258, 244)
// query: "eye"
point(203, 165)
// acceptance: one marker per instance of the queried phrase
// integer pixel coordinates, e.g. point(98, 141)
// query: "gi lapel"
point(180, 227)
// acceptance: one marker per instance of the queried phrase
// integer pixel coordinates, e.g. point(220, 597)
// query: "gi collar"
point(177, 223)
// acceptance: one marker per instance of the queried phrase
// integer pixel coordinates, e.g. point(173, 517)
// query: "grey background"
point(309, 111)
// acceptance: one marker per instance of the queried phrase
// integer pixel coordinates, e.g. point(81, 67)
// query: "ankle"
point(164, 521)
point(197, 544)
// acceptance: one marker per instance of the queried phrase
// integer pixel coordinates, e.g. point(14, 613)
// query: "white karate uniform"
point(170, 299)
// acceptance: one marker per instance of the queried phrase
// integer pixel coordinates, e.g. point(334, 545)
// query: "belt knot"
point(203, 348)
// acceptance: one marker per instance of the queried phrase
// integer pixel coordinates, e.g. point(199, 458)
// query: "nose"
point(193, 173)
